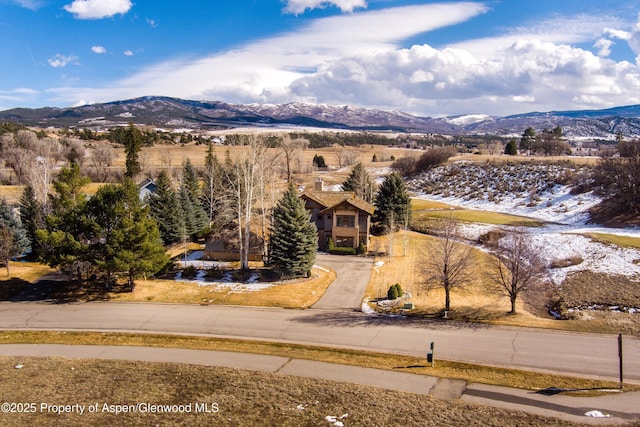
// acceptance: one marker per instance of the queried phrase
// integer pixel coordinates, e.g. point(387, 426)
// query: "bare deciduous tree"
point(289, 148)
point(346, 157)
point(448, 262)
point(243, 178)
point(102, 159)
point(517, 265)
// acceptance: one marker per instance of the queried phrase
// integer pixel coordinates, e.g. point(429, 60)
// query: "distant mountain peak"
point(170, 112)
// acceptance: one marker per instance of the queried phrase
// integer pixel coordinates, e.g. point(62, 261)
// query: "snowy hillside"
point(539, 191)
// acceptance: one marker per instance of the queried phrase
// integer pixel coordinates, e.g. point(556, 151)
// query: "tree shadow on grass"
point(58, 289)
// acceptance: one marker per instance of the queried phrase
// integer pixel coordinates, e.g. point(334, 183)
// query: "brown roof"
point(331, 199)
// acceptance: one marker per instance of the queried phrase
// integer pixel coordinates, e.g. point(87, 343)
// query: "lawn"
point(297, 293)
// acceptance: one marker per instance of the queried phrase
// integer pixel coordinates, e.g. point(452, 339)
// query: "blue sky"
point(423, 57)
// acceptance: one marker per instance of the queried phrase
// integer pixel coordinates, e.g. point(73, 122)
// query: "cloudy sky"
point(423, 57)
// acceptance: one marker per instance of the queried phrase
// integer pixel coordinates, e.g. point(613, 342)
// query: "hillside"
point(177, 113)
point(543, 192)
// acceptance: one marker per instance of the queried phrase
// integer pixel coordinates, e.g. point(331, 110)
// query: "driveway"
point(347, 290)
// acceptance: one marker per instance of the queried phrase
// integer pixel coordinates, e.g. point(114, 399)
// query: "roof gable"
point(331, 199)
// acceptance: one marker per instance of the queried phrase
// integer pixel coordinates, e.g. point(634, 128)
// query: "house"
point(146, 188)
point(226, 247)
point(339, 215)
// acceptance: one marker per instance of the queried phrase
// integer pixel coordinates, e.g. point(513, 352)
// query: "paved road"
point(570, 353)
point(347, 290)
point(620, 406)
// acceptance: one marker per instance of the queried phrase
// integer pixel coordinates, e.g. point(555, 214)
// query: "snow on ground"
point(250, 285)
point(566, 216)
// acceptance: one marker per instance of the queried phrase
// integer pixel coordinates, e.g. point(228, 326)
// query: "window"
point(346, 221)
point(344, 242)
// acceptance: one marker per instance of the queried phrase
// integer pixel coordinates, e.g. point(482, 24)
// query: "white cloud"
point(542, 75)
point(604, 46)
point(152, 23)
point(98, 49)
point(634, 38)
point(531, 68)
point(300, 6)
point(98, 9)
point(128, 53)
point(61, 61)
point(264, 69)
point(28, 4)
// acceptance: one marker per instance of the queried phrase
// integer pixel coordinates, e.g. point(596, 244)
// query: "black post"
point(620, 357)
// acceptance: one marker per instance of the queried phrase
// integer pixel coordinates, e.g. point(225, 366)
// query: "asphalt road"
point(568, 353)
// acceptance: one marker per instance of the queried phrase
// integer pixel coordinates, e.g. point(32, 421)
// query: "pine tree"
point(190, 195)
point(132, 146)
point(32, 217)
point(64, 240)
point(393, 204)
point(360, 182)
point(13, 238)
point(128, 239)
point(215, 198)
point(294, 238)
point(165, 208)
point(512, 148)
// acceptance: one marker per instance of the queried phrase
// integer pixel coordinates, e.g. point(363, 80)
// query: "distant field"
point(475, 216)
point(11, 193)
point(623, 241)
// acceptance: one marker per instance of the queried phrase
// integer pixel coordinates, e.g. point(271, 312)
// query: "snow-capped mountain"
point(178, 113)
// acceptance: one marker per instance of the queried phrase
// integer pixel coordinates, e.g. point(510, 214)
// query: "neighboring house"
point(339, 215)
point(146, 188)
point(225, 247)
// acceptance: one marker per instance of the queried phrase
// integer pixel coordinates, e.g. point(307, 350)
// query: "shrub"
point(434, 157)
point(405, 165)
point(491, 237)
point(189, 271)
point(215, 273)
point(374, 158)
point(330, 245)
point(361, 250)
point(392, 293)
point(399, 290)
point(342, 251)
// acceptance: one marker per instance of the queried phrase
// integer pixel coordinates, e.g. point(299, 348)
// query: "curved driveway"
point(570, 353)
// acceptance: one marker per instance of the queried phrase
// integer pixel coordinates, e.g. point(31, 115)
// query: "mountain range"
point(173, 113)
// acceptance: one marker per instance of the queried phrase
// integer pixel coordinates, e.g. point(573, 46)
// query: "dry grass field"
point(481, 302)
point(241, 397)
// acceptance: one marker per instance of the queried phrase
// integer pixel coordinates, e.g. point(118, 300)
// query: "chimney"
point(318, 185)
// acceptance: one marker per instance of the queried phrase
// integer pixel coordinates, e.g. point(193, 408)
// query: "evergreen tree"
point(64, 240)
point(512, 148)
point(318, 161)
point(190, 196)
point(360, 182)
point(164, 207)
point(127, 238)
point(393, 204)
point(528, 139)
point(32, 217)
point(132, 141)
point(294, 238)
point(13, 237)
point(214, 199)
